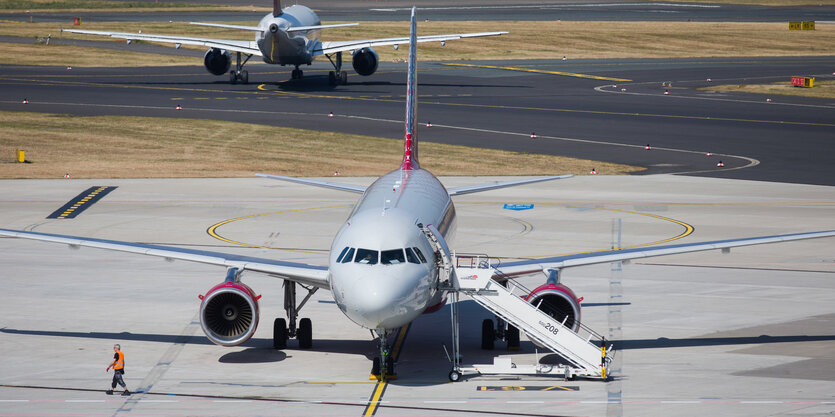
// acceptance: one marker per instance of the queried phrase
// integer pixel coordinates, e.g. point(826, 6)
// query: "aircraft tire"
point(488, 334)
point(375, 366)
point(244, 77)
point(233, 78)
point(305, 334)
point(512, 337)
point(280, 334)
point(454, 376)
point(343, 78)
point(331, 78)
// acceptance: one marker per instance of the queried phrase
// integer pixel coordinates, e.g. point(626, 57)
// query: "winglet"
point(277, 8)
point(410, 156)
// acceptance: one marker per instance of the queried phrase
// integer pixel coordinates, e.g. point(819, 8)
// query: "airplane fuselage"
point(283, 47)
point(382, 268)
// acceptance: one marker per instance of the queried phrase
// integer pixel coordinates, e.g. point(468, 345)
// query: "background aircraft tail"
point(277, 8)
point(410, 156)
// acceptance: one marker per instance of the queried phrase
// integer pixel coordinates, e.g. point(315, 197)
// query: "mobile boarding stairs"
point(585, 358)
point(585, 351)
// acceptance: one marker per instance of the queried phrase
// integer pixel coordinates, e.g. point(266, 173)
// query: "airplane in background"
point(388, 263)
point(285, 37)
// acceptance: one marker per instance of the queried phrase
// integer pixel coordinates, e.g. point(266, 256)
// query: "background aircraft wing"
point(340, 46)
point(536, 265)
point(259, 29)
point(246, 47)
point(303, 273)
point(324, 184)
point(494, 185)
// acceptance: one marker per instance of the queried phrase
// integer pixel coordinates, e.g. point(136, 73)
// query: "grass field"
point(552, 39)
point(821, 89)
point(139, 147)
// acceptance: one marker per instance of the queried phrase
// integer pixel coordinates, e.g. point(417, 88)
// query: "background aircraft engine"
point(229, 313)
point(365, 61)
point(217, 61)
point(557, 301)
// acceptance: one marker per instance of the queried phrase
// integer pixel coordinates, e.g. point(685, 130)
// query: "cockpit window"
point(411, 257)
point(392, 256)
point(420, 255)
point(348, 256)
point(367, 256)
point(341, 254)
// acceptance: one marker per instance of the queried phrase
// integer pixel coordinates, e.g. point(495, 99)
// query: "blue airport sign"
point(518, 207)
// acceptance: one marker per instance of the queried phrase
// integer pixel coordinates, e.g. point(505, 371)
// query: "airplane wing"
point(324, 184)
point(495, 185)
point(246, 47)
point(258, 29)
point(303, 273)
point(511, 269)
point(340, 46)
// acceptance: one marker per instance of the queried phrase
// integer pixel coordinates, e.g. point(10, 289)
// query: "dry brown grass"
point(77, 56)
point(527, 40)
point(138, 147)
point(821, 89)
point(787, 3)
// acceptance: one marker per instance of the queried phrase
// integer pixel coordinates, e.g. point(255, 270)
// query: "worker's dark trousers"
point(117, 378)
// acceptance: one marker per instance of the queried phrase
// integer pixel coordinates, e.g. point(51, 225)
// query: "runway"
point(596, 109)
point(487, 10)
point(747, 333)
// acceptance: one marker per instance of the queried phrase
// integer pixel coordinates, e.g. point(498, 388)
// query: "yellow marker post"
point(809, 25)
point(20, 155)
point(795, 25)
point(603, 360)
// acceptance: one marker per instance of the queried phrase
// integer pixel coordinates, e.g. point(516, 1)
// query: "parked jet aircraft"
point(385, 263)
point(285, 37)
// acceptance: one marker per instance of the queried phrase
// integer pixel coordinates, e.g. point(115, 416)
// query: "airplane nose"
point(386, 300)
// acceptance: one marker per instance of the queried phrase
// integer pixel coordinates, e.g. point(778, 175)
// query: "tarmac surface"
point(607, 110)
point(748, 333)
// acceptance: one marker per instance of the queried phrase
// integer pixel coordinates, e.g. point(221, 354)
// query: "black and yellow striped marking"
point(528, 388)
point(80, 203)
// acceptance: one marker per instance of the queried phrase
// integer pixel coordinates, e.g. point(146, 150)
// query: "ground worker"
point(118, 366)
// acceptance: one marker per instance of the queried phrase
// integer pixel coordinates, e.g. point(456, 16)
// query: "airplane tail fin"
point(410, 156)
point(277, 8)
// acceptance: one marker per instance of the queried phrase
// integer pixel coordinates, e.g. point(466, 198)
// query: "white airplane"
point(285, 37)
point(384, 267)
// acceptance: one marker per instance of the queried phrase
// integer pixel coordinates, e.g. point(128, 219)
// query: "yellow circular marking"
point(212, 230)
point(688, 229)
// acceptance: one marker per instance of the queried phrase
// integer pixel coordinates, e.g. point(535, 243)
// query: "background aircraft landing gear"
point(297, 74)
point(239, 73)
point(304, 331)
point(337, 77)
point(242, 76)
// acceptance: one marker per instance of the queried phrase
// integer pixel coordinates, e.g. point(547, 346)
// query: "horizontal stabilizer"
point(325, 184)
point(496, 185)
point(317, 27)
point(219, 25)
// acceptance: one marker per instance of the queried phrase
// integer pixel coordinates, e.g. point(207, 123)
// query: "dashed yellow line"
point(567, 74)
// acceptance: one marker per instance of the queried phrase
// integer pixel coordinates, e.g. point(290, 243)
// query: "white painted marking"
point(681, 402)
point(231, 401)
point(84, 401)
point(444, 402)
point(761, 402)
point(551, 6)
point(14, 401)
point(526, 402)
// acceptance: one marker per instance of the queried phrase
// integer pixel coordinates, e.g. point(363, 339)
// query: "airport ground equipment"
point(584, 350)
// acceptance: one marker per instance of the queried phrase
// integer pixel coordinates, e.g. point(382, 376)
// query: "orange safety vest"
point(120, 364)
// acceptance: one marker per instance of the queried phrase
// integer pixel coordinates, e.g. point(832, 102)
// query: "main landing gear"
point(303, 332)
point(337, 77)
point(239, 74)
point(502, 331)
point(383, 366)
point(297, 74)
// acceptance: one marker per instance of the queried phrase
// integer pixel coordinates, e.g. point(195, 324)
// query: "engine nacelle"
point(559, 302)
point(217, 61)
point(365, 61)
point(229, 313)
